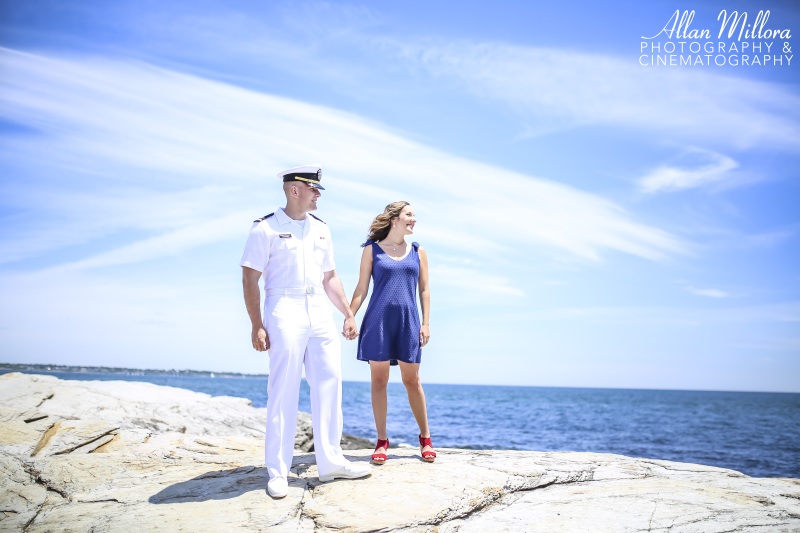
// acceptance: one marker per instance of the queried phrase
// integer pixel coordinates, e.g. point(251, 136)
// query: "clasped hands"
point(349, 330)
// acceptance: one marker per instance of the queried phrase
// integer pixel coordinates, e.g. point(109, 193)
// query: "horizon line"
point(223, 373)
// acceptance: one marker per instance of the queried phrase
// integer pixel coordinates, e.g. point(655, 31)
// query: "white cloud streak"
point(773, 313)
point(79, 217)
point(706, 293)
point(566, 89)
point(556, 88)
point(473, 283)
point(165, 244)
point(123, 123)
point(673, 178)
point(709, 293)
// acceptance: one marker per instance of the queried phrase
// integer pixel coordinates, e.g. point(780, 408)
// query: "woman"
point(391, 332)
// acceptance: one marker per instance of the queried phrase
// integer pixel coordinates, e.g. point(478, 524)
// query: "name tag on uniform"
point(284, 235)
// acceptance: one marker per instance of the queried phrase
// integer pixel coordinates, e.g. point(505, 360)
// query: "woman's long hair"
point(380, 227)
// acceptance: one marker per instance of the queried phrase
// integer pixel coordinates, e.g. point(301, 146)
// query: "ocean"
point(755, 433)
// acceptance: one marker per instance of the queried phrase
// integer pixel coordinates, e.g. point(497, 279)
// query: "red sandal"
point(380, 458)
point(430, 456)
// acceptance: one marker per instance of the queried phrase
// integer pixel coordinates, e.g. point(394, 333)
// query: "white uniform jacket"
point(292, 259)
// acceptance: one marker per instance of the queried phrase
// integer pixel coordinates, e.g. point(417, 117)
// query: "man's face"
point(308, 196)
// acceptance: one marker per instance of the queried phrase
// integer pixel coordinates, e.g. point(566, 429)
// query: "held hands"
point(260, 339)
point(349, 330)
point(424, 335)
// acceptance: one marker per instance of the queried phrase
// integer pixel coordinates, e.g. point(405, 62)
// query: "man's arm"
point(335, 291)
point(252, 299)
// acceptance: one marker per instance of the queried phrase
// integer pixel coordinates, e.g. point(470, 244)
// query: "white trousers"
point(302, 333)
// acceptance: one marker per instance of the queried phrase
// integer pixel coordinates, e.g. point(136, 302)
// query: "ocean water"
point(752, 432)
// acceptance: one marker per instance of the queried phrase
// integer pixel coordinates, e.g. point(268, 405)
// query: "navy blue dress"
point(390, 329)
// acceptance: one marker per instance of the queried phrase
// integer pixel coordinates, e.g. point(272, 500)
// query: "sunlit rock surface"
point(129, 456)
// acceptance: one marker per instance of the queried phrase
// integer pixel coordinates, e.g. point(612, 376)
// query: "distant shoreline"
point(82, 369)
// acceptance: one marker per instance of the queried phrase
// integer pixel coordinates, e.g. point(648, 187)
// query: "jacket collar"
point(284, 219)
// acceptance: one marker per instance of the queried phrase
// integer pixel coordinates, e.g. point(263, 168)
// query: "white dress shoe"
point(351, 471)
point(278, 487)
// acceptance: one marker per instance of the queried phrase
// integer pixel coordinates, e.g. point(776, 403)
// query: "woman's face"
point(406, 220)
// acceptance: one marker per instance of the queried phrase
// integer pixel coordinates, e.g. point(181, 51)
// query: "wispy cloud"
point(165, 244)
point(564, 89)
point(710, 293)
point(776, 314)
point(102, 124)
point(766, 239)
point(705, 292)
point(78, 217)
point(474, 282)
point(558, 87)
point(707, 167)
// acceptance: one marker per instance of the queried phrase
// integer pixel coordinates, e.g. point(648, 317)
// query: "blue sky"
point(589, 221)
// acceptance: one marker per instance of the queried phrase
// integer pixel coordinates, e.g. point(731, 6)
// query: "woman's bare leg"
point(416, 398)
point(379, 371)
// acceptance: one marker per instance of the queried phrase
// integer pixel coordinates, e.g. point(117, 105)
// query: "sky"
point(599, 208)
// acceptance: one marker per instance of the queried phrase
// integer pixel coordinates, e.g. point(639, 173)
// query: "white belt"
point(294, 291)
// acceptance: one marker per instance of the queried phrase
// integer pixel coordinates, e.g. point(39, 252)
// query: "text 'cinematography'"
point(736, 41)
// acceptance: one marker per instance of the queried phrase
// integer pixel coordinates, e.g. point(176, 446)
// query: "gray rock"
point(134, 405)
point(95, 462)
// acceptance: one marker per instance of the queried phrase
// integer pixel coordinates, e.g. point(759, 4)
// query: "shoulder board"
point(265, 217)
point(315, 216)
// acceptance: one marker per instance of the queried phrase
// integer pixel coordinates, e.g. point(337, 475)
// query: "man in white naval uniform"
point(294, 253)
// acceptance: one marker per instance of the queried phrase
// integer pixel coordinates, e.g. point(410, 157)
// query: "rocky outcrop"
point(119, 456)
point(137, 408)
